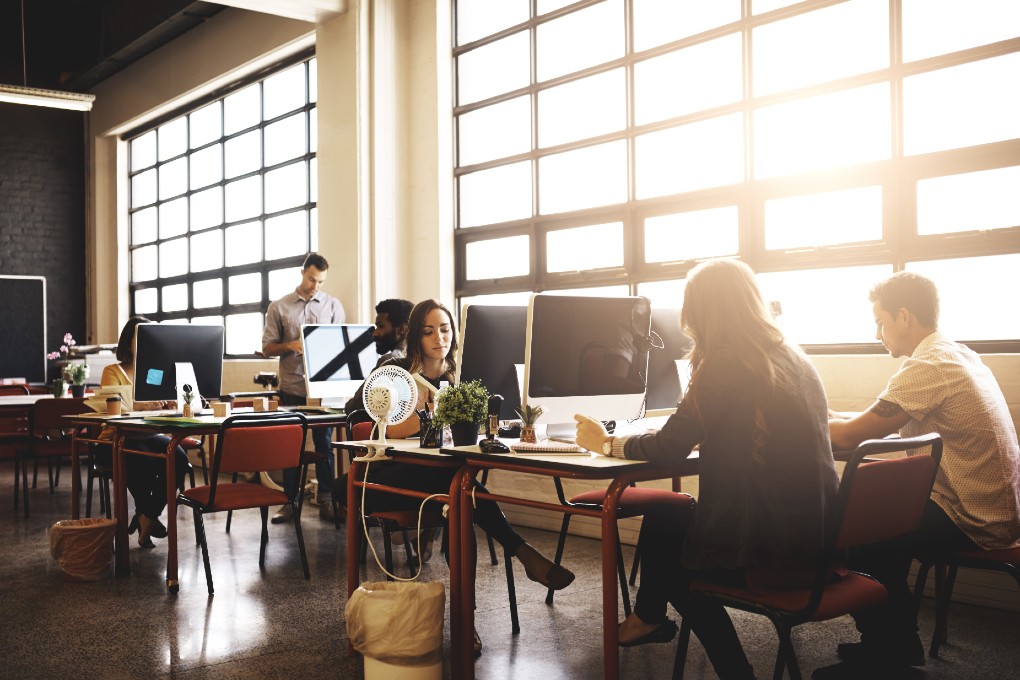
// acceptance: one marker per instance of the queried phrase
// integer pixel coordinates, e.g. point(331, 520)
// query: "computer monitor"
point(586, 355)
point(337, 359)
point(667, 367)
point(491, 344)
point(159, 347)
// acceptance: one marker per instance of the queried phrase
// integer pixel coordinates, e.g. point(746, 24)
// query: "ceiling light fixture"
point(22, 94)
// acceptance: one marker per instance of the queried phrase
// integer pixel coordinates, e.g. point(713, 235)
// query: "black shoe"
point(156, 529)
point(863, 670)
point(664, 633)
point(908, 654)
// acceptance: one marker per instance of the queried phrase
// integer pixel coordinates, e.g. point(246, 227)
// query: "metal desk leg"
point(122, 546)
point(172, 583)
point(610, 539)
point(353, 533)
point(75, 479)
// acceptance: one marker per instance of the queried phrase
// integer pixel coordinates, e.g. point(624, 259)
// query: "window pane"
point(313, 81)
point(313, 229)
point(583, 108)
point(173, 258)
point(664, 294)
point(207, 294)
point(596, 291)
point(585, 178)
point(143, 188)
point(244, 199)
point(143, 226)
point(283, 281)
point(313, 179)
point(146, 301)
point(173, 218)
point(962, 106)
point(989, 199)
point(287, 235)
point(824, 219)
point(215, 320)
point(828, 131)
point(173, 178)
point(502, 66)
point(519, 299)
point(657, 22)
point(498, 258)
point(206, 166)
point(933, 27)
point(762, 6)
point(244, 333)
point(842, 40)
point(243, 154)
point(497, 195)
point(692, 235)
point(207, 251)
point(244, 288)
point(206, 124)
point(825, 306)
point(283, 91)
point(695, 156)
point(965, 283)
point(285, 139)
point(591, 36)
point(496, 131)
point(207, 208)
point(583, 248)
point(313, 132)
point(287, 187)
point(479, 18)
point(173, 138)
point(143, 151)
point(241, 110)
point(243, 244)
point(677, 83)
point(144, 264)
point(175, 297)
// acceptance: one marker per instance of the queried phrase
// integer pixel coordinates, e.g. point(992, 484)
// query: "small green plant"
point(76, 374)
point(188, 393)
point(467, 402)
point(530, 414)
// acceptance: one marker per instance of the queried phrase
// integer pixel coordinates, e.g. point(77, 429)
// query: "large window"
point(223, 206)
point(613, 144)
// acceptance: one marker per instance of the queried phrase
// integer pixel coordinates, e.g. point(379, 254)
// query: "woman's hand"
point(591, 433)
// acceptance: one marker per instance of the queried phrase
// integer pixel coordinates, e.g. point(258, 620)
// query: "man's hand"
point(591, 433)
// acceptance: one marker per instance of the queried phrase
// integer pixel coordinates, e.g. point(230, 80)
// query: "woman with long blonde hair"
point(757, 410)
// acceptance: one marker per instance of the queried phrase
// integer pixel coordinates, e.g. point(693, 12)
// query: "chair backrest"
point(48, 414)
point(13, 390)
point(361, 431)
point(257, 442)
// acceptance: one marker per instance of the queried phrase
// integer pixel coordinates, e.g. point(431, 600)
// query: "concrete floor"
point(277, 625)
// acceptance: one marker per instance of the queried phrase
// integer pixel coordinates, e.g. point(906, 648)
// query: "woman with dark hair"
point(767, 481)
point(146, 476)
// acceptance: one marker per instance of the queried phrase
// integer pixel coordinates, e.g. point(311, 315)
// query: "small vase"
point(528, 434)
point(188, 413)
point(77, 391)
point(58, 387)
point(464, 434)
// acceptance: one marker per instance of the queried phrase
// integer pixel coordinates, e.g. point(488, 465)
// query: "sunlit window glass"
point(283, 91)
point(286, 187)
point(206, 166)
point(824, 219)
point(696, 156)
point(580, 39)
point(207, 293)
point(173, 258)
point(285, 139)
point(145, 263)
point(286, 235)
point(584, 248)
point(243, 199)
point(175, 297)
point(143, 226)
point(692, 235)
point(146, 301)
point(502, 66)
point(244, 288)
point(762, 6)
point(495, 131)
point(664, 294)
point(498, 258)
point(207, 251)
point(989, 199)
point(206, 124)
point(173, 138)
point(173, 178)
point(585, 178)
point(243, 333)
point(934, 27)
point(242, 109)
point(143, 151)
point(207, 208)
point(595, 291)
point(243, 154)
point(657, 22)
point(143, 188)
point(281, 281)
point(497, 195)
point(243, 243)
point(505, 299)
point(582, 108)
point(479, 18)
point(173, 218)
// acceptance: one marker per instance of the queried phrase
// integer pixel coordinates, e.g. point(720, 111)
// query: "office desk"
point(177, 431)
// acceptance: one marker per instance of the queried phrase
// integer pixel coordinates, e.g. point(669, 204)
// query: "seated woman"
point(767, 480)
point(146, 476)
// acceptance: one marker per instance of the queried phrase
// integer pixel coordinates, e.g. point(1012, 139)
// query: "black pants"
point(664, 581)
point(893, 624)
point(428, 479)
point(146, 477)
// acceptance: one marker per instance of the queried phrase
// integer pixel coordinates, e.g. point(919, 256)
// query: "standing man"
point(941, 387)
point(282, 338)
point(390, 338)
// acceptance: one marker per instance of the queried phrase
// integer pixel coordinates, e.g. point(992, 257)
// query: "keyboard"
point(550, 447)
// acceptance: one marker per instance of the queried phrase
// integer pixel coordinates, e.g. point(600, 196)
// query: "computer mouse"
point(493, 446)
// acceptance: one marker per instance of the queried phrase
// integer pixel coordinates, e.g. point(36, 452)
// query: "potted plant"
point(463, 407)
point(58, 385)
point(76, 374)
point(529, 416)
point(188, 394)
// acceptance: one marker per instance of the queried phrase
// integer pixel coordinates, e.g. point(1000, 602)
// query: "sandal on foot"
point(665, 632)
point(556, 578)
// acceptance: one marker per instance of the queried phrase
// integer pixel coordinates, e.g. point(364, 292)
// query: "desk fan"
point(390, 395)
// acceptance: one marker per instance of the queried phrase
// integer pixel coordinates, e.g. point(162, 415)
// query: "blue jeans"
point(321, 437)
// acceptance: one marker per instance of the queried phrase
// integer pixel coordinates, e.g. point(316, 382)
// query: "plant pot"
point(58, 387)
point(77, 391)
point(464, 434)
point(528, 434)
point(187, 411)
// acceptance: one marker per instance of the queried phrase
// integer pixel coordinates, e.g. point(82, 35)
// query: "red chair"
point(250, 443)
point(879, 500)
point(49, 437)
point(1007, 560)
point(13, 425)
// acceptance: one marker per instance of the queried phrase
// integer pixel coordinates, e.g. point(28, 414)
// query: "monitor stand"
point(561, 432)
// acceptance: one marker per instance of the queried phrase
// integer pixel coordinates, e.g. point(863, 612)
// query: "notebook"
point(548, 446)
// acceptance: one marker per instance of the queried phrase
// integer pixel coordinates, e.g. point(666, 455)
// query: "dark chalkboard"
point(23, 324)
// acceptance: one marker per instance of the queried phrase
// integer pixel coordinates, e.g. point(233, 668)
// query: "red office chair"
point(250, 442)
point(14, 425)
point(1007, 560)
point(878, 501)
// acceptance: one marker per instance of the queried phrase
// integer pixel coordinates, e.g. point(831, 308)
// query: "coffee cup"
point(113, 406)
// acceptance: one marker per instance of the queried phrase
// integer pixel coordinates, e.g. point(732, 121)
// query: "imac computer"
point(668, 368)
point(586, 355)
point(160, 348)
point(491, 346)
point(337, 359)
